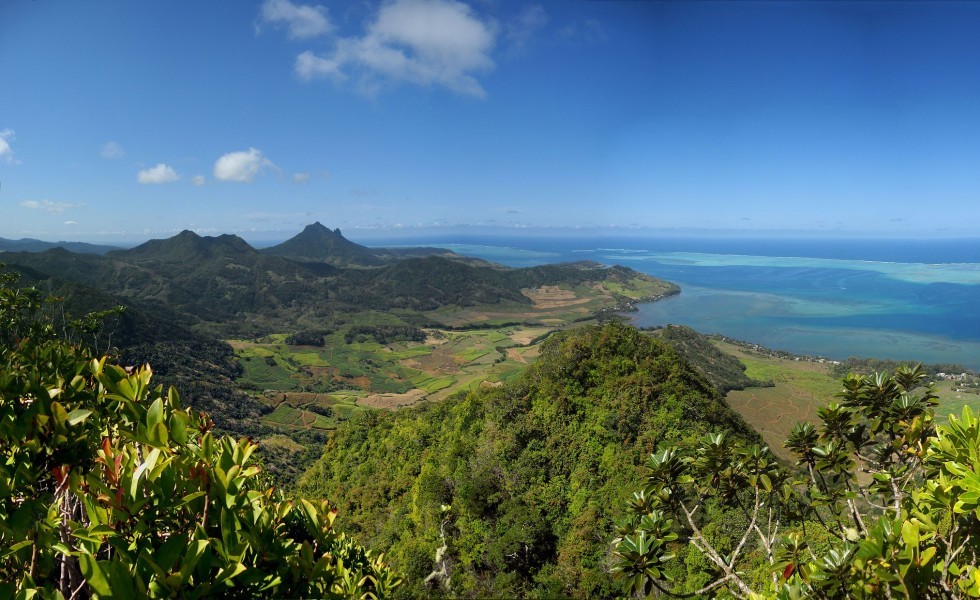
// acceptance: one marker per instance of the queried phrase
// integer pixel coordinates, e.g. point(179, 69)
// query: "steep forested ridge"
point(520, 481)
point(724, 371)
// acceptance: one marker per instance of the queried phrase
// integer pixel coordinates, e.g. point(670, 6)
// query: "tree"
point(883, 503)
point(110, 488)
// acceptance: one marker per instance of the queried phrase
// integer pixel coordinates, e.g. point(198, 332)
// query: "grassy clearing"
point(953, 397)
point(800, 388)
point(803, 387)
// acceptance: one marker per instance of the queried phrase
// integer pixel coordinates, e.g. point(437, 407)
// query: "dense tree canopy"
point(504, 492)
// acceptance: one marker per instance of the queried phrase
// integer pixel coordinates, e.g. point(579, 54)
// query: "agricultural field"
point(374, 359)
point(319, 387)
point(801, 387)
point(551, 306)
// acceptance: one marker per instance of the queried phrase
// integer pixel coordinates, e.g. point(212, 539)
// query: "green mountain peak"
point(317, 243)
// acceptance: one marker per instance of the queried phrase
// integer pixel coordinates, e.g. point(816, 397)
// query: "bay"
point(916, 300)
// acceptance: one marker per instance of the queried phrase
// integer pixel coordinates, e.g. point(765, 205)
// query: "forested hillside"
point(223, 285)
point(519, 483)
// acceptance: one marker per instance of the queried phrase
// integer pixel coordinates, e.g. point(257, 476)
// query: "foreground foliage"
point(884, 504)
point(109, 488)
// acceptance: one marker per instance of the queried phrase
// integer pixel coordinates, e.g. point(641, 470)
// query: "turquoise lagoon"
point(836, 303)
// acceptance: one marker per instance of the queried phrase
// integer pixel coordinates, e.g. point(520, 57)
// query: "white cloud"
point(198, 180)
point(55, 208)
point(6, 152)
point(112, 150)
point(240, 166)
point(71, 222)
point(301, 177)
point(159, 174)
point(302, 21)
point(424, 42)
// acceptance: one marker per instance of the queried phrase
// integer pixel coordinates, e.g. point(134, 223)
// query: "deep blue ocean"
point(901, 299)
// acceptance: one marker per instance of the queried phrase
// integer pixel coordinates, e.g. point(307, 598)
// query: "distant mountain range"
point(229, 288)
point(32, 245)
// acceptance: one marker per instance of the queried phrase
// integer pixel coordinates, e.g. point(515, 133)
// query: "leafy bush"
point(109, 488)
point(905, 528)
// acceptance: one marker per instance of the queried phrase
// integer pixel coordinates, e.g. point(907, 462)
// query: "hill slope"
point(531, 470)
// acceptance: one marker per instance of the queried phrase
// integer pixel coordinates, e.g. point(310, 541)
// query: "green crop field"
point(302, 382)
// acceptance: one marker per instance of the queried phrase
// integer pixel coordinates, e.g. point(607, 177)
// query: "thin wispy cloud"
point(49, 206)
point(301, 21)
point(161, 173)
point(198, 180)
point(301, 177)
point(422, 42)
point(519, 32)
point(590, 31)
point(112, 150)
point(241, 166)
point(6, 151)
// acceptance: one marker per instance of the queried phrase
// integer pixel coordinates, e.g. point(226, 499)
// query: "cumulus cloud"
point(423, 42)
point(198, 180)
point(301, 21)
point(6, 152)
point(71, 222)
point(240, 166)
point(159, 174)
point(112, 150)
point(55, 208)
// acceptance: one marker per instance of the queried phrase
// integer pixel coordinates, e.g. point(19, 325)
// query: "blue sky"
point(122, 121)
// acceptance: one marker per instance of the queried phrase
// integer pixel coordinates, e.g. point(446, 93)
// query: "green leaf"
point(94, 575)
point(191, 497)
point(194, 552)
point(178, 428)
point(151, 460)
point(157, 434)
point(227, 573)
point(168, 553)
point(77, 416)
point(229, 531)
point(155, 414)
